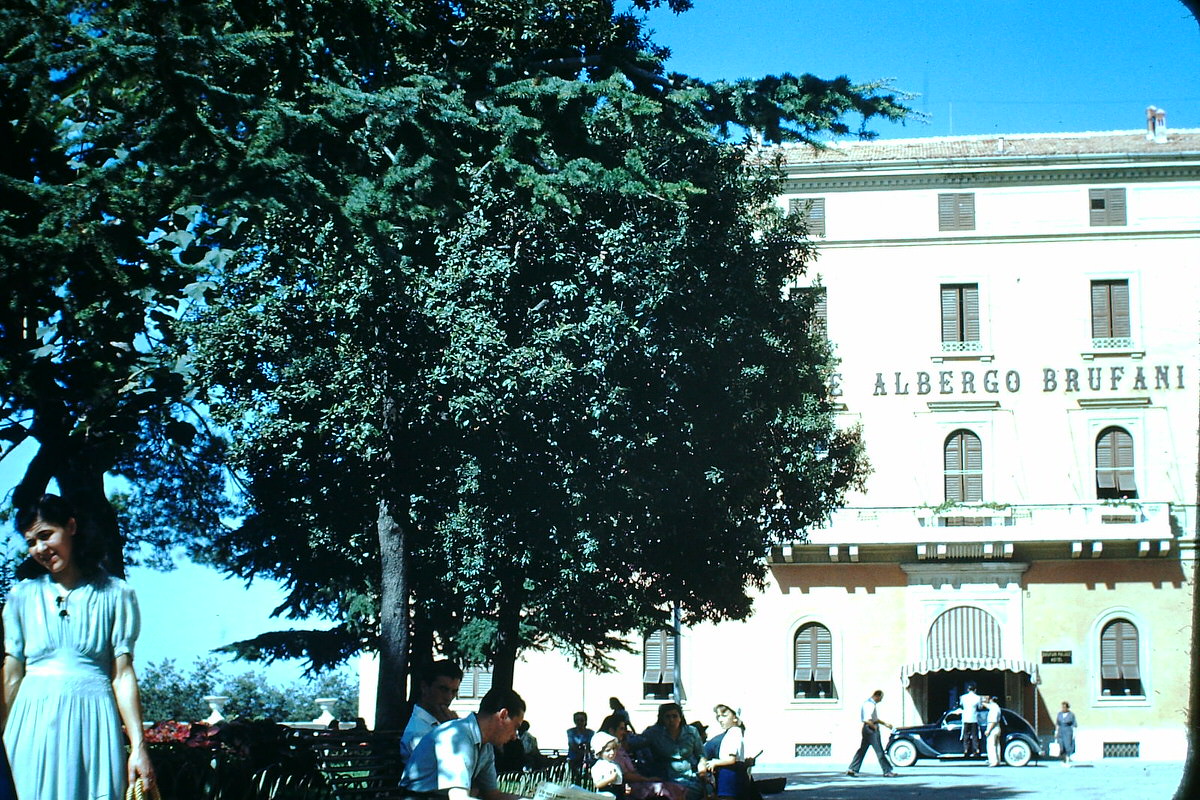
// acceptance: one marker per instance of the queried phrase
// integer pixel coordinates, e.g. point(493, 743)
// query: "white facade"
point(1038, 561)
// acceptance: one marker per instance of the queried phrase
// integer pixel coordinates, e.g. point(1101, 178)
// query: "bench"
point(354, 763)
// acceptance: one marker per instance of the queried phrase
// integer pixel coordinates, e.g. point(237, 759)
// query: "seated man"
point(457, 760)
point(436, 689)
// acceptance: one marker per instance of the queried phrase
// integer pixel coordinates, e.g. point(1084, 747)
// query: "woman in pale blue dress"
point(68, 672)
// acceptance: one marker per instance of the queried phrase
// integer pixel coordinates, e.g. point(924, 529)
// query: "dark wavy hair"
point(56, 510)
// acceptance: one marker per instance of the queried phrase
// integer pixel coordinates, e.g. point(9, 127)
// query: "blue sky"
point(982, 67)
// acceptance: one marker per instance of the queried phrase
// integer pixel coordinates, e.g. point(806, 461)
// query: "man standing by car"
point(969, 703)
point(870, 737)
point(993, 731)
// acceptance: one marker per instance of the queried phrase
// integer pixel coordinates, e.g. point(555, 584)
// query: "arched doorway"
point(964, 645)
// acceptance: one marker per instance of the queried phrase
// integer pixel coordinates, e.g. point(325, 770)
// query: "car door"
point(947, 738)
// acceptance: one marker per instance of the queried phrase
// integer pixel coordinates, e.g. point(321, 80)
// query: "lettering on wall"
point(1067, 380)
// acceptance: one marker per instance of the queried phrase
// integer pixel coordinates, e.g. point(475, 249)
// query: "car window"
point(952, 720)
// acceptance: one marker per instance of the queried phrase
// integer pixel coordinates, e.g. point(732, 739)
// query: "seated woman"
point(677, 749)
point(725, 755)
point(638, 786)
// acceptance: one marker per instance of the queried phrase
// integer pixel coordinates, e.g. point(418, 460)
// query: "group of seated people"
point(455, 758)
point(670, 759)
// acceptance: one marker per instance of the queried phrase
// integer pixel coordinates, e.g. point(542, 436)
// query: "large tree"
point(115, 119)
point(522, 373)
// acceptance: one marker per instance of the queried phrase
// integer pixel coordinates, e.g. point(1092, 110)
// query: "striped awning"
point(1030, 668)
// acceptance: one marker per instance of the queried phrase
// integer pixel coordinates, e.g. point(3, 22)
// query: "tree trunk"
point(391, 709)
point(81, 480)
point(504, 657)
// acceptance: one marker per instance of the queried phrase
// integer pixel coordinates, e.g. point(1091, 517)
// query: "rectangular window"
point(660, 665)
point(476, 682)
point(813, 211)
point(1106, 207)
point(956, 212)
point(960, 317)
point(1110, 315)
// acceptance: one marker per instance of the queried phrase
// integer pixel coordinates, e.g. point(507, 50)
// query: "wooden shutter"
point(1119, 651)
point(1106, 207)
point(823, 669)
point(806, 650)
point(1101, 311)
point(960, 312)
point(950, 319)
point(953, 469)
point(658, 658)
point(483, 681)
point(956, 212)
point(970, 312)
point(1114, 460)
point(821, 307)
point(1118, 294)
point(652, 657)
point(973, 458)
point(813, 211)
point(963, 468)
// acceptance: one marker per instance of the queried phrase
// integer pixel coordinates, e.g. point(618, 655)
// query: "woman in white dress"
point(69, 683)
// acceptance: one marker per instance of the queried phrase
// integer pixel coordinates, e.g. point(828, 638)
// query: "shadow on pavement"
point(925, 784)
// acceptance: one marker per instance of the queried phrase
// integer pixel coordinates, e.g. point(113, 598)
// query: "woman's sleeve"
point(127, 623)
point(14, 633)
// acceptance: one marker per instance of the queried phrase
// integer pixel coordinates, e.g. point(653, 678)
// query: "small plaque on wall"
point(1056, 656)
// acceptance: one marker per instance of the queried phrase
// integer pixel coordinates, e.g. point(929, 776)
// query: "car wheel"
point(1017, 753)
point(902, 753)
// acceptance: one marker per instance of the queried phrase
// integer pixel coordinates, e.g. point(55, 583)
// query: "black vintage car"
point(1018, 741)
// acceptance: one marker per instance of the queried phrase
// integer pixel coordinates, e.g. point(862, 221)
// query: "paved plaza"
point(1144, 780)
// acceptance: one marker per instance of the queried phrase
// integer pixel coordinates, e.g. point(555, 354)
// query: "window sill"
point(1122, 701)
point(809, 702)
point(938, 358)
point(1092, 355)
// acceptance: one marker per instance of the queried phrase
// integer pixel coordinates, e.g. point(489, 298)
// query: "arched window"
point(1120, 674)
point(813, 676)
point(964, 468)
point(1114, 465)
point(660, 665)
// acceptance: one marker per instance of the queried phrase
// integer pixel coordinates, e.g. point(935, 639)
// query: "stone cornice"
point(889, 177)
point(1001, 574)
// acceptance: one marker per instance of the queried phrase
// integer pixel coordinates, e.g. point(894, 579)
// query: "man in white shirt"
point(457, 761)
point(870, 737)
point(993, 731)
point(436, 689)
point(969, 703)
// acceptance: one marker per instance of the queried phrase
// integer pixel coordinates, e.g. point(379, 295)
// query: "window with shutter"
point(1114, 465)
point(1111, 325)
point(1120, 672)
point(476, 682)
point(960, 317)
point(660, 673)
point(812, 676)
point(813, 211)
point(1106, 207)
point(963, 459)
point(956, 212)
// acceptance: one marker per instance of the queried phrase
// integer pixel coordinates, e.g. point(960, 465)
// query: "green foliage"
point(532, 300)
point(171, 694)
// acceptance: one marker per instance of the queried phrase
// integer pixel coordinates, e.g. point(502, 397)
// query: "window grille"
point(1122, 749)
point(814, 750)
